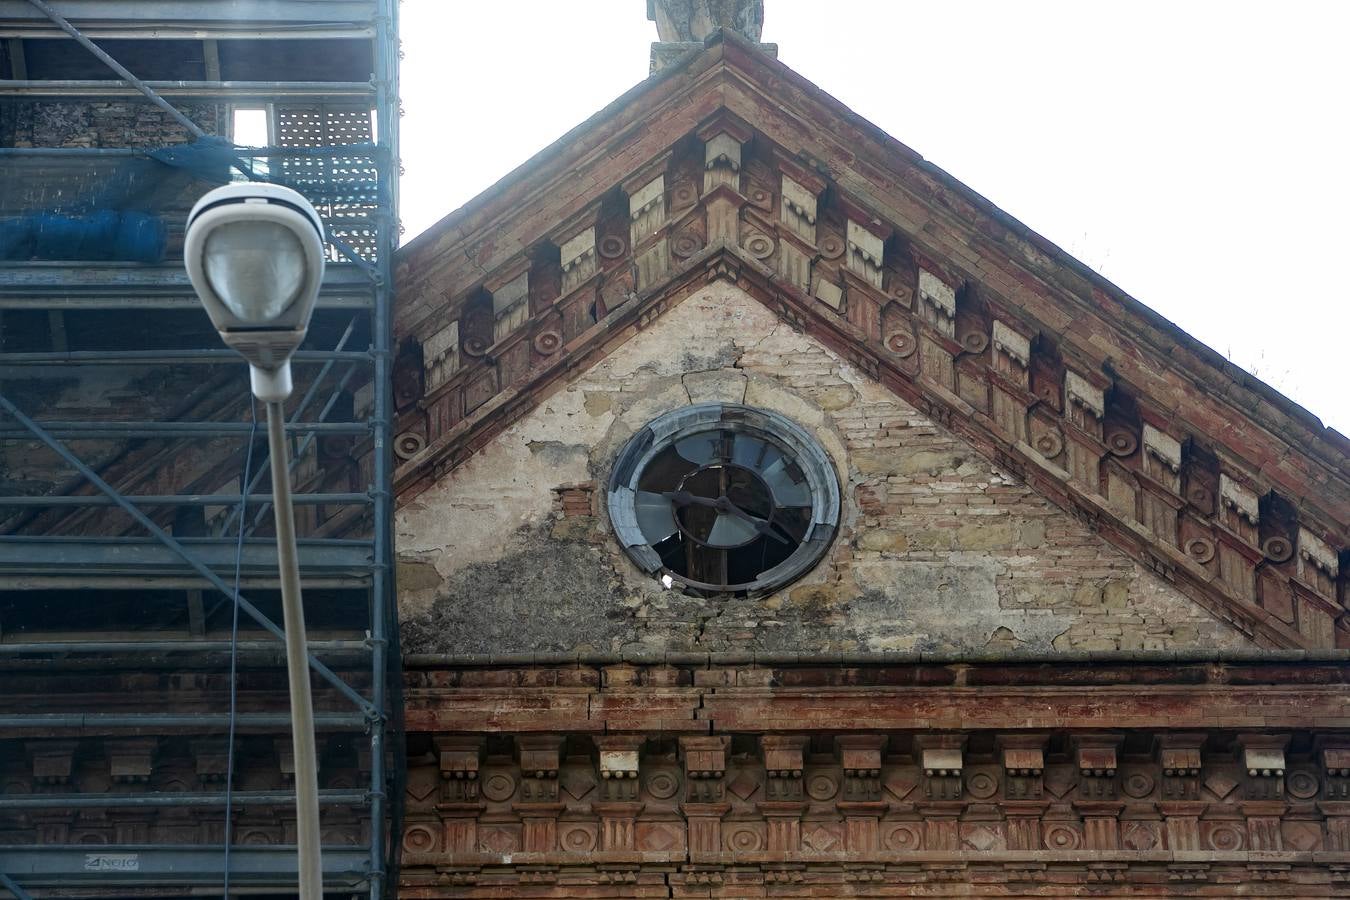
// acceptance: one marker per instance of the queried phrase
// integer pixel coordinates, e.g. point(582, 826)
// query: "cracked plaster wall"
point(937, 550)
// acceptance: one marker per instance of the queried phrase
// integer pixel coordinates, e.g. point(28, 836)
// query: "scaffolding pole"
point(168, 540)
point(8, 884)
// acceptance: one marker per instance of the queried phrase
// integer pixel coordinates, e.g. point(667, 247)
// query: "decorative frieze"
point(794, 266)
point(651, 265)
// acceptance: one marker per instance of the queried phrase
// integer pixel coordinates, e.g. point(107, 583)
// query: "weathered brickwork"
point(107, 123)
point(938, 549)
point(1044, 655)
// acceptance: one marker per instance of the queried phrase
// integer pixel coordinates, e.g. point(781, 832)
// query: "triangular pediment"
point(732, 167)
point(935, 549)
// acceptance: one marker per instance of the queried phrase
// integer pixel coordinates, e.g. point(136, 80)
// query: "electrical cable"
point(244, 483)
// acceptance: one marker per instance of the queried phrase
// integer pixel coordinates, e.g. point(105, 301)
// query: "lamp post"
point(254, 255)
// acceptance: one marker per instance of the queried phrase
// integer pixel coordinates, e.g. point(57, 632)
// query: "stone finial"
point(696, 20)
point(684, 25)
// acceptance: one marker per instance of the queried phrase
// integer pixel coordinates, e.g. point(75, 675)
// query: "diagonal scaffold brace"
point(365, 706)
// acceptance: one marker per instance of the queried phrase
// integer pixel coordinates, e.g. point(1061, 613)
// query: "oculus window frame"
point(724, 499)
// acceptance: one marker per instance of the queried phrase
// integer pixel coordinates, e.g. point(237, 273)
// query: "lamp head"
point(254, 254)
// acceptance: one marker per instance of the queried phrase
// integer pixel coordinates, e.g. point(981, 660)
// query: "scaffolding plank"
point(196, 18)
point(39, 285)
point(233, 90)
point(109, 556)
point(127, 866)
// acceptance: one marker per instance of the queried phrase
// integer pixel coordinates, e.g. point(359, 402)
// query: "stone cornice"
point(456, 696)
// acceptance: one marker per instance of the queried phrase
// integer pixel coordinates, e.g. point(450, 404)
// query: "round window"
point(725, 499)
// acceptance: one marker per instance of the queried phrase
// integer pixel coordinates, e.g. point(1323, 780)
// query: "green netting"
point(130, 206)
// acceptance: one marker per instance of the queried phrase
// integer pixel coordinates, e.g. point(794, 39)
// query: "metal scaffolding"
point(144, 514)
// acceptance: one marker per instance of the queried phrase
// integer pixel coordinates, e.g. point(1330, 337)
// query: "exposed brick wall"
point(937, 549)
point(104, 123)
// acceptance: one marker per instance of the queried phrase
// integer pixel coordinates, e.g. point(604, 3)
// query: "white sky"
point(1195, 153)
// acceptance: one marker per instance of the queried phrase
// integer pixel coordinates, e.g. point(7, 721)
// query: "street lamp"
point(254, 255)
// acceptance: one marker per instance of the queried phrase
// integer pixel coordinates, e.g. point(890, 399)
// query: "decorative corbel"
point(131, 760)
point(1336, 764)
point(783, 764)
point(440, 356)
point(1023, 765)
point(940, 757)
point(618, 807)
point(721, 162)
point(510, 292)
point(1162, 457)
point(1179, 759)
point(1097, 765)
point(1082, 393)
point(705, 765)
point(1263, 760)
point(784, 794)
point(865, 251)
point(1084, 409)
point(1161, 484)
point(540, 759)
point(646, 207)
point(1240, 508)
point(798, 210)
point(618, 755)
point(52, 761)
point(1013, 349)
point(860, 758)
point(1318, 566)
point(459, 757)
point(211, 758)
point(938, 303)
point(577, 256)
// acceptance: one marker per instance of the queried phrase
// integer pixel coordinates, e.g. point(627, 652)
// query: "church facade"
point(777, 517)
